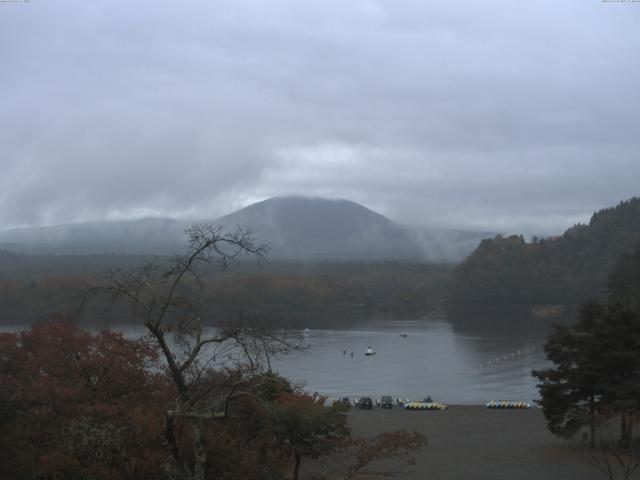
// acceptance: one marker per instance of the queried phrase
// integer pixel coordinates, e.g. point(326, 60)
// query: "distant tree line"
point(391, 287)
point(566, 270)
point(282, 290)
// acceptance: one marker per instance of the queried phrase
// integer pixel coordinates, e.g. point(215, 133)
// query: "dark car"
point(346, 401)
point(386, 401)
point(365, 402)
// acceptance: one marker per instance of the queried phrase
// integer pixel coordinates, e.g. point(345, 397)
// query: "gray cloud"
point(493, 115)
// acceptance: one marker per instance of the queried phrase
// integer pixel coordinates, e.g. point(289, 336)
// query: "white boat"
point(306, 332)
point(370, 351)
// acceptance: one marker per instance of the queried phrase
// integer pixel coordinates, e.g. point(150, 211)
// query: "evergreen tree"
point(597, 360)
point(572, 391)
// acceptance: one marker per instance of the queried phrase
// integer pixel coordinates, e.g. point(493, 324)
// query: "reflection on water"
point(459, 361)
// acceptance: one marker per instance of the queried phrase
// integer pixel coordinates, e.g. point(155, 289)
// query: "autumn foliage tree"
point(305, 427)
point(77, 405)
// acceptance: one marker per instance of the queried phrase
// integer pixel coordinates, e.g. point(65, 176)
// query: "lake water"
point(464, 359)
point(456, 357)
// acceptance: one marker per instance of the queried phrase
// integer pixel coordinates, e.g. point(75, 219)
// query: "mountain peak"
point(320, 227)
point(300, 207)
point(295, 227)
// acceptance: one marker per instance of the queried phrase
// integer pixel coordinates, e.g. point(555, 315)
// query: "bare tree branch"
point(162, 297)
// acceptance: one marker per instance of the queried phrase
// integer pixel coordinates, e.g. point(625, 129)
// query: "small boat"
point(306, 332)
point(370, 351)
point(404, 335)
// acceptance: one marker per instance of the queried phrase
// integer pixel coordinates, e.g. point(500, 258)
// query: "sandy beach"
point(472, 442)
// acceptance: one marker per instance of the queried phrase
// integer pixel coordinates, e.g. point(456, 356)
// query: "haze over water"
point(460, 361)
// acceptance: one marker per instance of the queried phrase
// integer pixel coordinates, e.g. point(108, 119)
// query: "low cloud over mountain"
point(294, 228)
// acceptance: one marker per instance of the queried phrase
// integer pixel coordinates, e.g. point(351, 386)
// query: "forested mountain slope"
point(569, 269)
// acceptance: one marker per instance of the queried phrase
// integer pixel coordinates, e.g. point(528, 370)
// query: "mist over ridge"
point(295, 227)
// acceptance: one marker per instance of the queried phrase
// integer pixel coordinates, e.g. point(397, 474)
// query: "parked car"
point(386, 401)
point(346, 401)
point(365, 403)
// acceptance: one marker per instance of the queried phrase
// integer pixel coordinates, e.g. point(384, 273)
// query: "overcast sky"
point(497, 115)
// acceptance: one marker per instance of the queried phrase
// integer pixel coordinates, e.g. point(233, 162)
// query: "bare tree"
point(164, 297)
point(616, 458)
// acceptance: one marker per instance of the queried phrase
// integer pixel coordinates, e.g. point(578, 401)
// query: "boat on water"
point(403, 335)
point(370, 351)
point(306, 332)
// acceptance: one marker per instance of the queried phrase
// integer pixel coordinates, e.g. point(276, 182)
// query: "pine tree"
point(572, 391)
point(597, 361)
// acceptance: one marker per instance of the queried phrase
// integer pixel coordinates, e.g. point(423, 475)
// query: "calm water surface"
point(459, 361)
point(455, 358)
